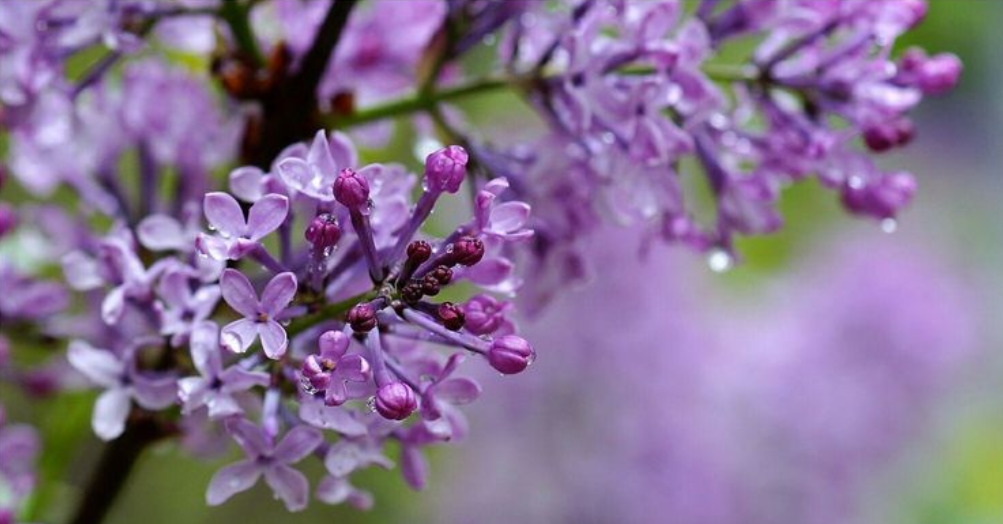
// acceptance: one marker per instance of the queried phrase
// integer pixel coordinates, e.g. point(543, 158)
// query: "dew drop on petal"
point(231, 342)
point(719, 260)
point(371, 403)
point(889, 225)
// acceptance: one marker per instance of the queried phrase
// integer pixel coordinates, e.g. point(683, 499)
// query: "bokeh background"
point(839, 374)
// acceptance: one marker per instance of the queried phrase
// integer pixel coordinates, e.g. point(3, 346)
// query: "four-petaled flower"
point(216, 387)
point(122, 383)
point(259, 315)
point(265, 458)
point(331, 369)
point(442, 395)
point(236, 236)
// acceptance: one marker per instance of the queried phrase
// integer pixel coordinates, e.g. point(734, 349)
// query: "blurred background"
point(841, 373)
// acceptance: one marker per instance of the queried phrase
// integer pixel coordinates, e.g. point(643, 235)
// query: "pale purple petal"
point(278, 294)
point(249, 437)
point(458, 390)
point(414, 467)
point(82, 272)
point(247, 183)
point(239, 293)
point(110, 412)
point(289, 485)
point(266, 215)
point(297, 444)
point(352, 367)
point(296, 173)
point(192, 392)
point(237, 379)
point(113, 305)
point(213, 246)
point(273, 339)
point(337, 419)
point(221, 405)
point(238, 335)
point(154, 393)
point(161, 233)
point(509, 217)
point(100, 366)
point(224, 214)
point(173, 288)
point(205, 349)
point(230, 480)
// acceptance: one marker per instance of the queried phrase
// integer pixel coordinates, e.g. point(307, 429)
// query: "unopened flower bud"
point(412, 293)
point(483, 315)
point(445, 169)
point(362, 317)
point(323, 231)
point(396, 401)
point(451, 316)
point(886, 135)
point(430, 285)
point(442, 274)
point(351, 189)
point(418, 251)
point(468, 251)
point(317, 371)
point(881, 198)
point(510, 354)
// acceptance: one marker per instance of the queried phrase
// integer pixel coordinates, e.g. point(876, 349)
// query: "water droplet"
point(235, 482)
point(608, 138)
point(889, 225)
point(719, 260)
point(718, 121)
point(231, 342)
point(855, 182)
point(212, 227)
point(371, 403)
point(489, 39)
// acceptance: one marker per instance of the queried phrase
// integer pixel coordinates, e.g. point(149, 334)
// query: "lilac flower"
point(123, 382)
point(314, 176)
point(183, 309)
point(268, 459)
point(259, 315)
point(217, 387)
point(26, 298)
point(19, 449)
point(440, 398)
point(236, 236)
point(330, 370)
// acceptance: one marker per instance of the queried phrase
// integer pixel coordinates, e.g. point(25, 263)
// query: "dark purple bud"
point(351, 189)
point(886, 135)
point(8, 219)
point(443, 274)
point(510, 354)
point(323, 231)
point(362, 317)
point(396, 401)
point(445, 169)
point(451, 316)
point(418, 251)
point(468, 251)
point(412, 293)
point(430, 285)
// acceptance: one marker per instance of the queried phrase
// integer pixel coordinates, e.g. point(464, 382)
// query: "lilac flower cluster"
point(636, 103)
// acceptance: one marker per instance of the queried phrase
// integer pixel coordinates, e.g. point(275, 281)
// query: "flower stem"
point(112, 470)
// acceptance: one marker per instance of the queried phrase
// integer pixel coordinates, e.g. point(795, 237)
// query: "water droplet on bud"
point(719, 260)
point(889, 225)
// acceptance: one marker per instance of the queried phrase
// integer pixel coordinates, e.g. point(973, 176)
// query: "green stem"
point(236, 14)
point(424, 101)
point(328, 312)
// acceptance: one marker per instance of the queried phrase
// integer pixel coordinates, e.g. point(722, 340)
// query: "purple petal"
point(337, 419)
point(333, 344)
point(289, 485)
point(266, 215)
point(205, 349)
point(154, 393)
point(100, 366)
point(458, 390)
point(238, 335)
point(110, 412)
point(113, 306)
point(230, 480)
point(278, 294)
point(161, 233)
point(213, 246)
point(342, 150)
point(335, 490)
point(509, 216)
point(173, 288)
point(296, 173)
point(297, 444)
point(192, 393)
point(224, 214)
point(273, 339)
point(221, 405)
point(320, 158)
point(249, 437)
point(237, 379)
point(414, 467)
point(82, 272)
point(490, 272)
point(239, 293)
point(353, 367)
point(247, 183)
